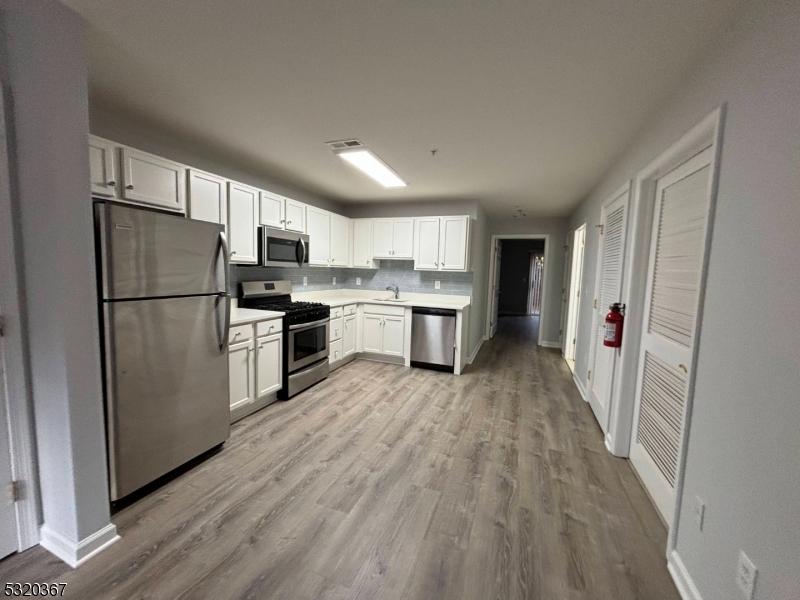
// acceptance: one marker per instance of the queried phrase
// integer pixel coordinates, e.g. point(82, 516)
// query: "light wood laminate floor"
point(390, 482)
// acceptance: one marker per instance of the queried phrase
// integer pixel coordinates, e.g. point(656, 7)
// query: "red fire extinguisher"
point(614, 321)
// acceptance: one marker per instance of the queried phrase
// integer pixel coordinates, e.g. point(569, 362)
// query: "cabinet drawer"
point(240, 333)
point(337, 313)
point(350, 309)
point(335, 351)
point(337, 325)
point(269, 327)
point(381, 309)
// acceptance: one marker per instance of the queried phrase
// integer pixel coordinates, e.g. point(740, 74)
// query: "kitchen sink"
point(389, 300)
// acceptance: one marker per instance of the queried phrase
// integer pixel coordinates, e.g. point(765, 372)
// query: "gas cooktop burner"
point(285, 306)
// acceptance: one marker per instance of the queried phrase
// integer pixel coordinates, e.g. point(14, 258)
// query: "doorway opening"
point(517, 283)
point(573, 277)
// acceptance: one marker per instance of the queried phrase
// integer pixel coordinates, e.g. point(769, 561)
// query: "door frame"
point(18, 399)
point(707, 133)
point(492, 252)
point(574, 303)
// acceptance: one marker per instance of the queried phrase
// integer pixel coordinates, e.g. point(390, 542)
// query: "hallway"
point(390, 482)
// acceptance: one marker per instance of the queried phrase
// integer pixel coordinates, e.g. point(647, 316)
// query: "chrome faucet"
point(396, 290)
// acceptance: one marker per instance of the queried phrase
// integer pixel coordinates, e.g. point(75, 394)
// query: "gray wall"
point(44, 69)
point(150, 138)
point(744, 445)
point(550, 321)
point(515, 271)
point(392, 272)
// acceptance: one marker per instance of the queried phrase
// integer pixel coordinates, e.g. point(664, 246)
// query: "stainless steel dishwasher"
point(433, 338)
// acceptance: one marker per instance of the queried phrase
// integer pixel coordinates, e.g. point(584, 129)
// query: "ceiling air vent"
point(343, 144)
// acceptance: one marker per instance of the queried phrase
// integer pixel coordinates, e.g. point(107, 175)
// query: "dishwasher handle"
point(438, 312)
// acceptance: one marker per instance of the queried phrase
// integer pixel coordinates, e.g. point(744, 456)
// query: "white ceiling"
point(527, 103)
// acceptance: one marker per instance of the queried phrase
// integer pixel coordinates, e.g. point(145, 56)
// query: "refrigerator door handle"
point(226, 327)
point(223, 242)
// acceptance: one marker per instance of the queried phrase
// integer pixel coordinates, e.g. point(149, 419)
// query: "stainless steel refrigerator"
point(165, 318)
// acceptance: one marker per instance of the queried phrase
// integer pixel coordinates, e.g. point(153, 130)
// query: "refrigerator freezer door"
point(147, 254)
point(166, 386)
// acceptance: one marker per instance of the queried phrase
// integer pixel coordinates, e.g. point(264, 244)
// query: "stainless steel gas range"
point(305, 333)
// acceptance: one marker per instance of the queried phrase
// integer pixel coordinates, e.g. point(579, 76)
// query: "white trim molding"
point(75, 554)
point(543, 305)
point(579, 385)
point(547, 344)
point(680, 575)
point(472, 356)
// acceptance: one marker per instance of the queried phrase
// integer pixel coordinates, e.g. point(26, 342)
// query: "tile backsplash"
point(392, 272)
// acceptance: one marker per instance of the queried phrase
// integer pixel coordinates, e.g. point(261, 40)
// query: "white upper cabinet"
point(272, 210)
point(318, 223)
point(103, 167)
point(242, 220)
point(393, 238)
point(426, 254)
point(362, 244)
point(295, 215)
point(153, 180)
point(454, 243)
point(340, 240)
point(208, 197)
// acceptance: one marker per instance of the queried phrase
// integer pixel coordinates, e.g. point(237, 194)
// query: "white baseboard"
point(472, 356)
point(683, 581)
point(550, 344)
point(609, 443)
point(75, 554)
point(579, 385)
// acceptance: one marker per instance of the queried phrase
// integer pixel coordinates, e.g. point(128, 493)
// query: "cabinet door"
point(242, 373)
point(426, 255)
point(295, 215)
point(393, 335)
point(103, 167)
point(152, 180)
point(208, 197)
point(242, 219)
point(335, 351)
point(373, 333)
point(340, 240)
point(362, 244)
point(403, 244)
point(319, 236)
point(272, 210)
point(453, 251)
point(269, 353)
point(382, 238)
point(349, 336)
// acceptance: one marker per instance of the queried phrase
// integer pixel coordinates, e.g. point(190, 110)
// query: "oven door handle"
point(307, 325)
point(301, 245)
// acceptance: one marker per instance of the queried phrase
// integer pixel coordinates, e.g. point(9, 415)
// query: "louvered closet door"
point(678, 242)
point(610, 263)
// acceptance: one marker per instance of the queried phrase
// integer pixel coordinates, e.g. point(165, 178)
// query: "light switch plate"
point(358, 280)
point(746, 574)
point(437, 285)
point(305, 280)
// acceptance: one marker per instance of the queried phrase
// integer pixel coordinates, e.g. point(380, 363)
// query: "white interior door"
point(8, 513)
point(608, 290)
point(565, 293)
point(677, 249)
point(576, 277)
point(498, 250)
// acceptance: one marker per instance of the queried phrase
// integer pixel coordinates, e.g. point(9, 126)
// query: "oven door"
point(283, 248)
point(308, 343)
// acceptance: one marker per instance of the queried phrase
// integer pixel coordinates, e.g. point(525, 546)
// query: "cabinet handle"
point(288, 222)
point(435, 264)
point(283, 220)
point(234, 252)
point(129, 187)
point(261, 345)
point(237, 334)
point(112, 183)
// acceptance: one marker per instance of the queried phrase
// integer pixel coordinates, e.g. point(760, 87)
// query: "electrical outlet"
point(305, 280)
point(699, 512)
point(437, 285)
point(334, 281)
point(358, 280)
point(746, 573)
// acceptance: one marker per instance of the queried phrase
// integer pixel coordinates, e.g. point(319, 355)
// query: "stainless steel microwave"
point(281, 248)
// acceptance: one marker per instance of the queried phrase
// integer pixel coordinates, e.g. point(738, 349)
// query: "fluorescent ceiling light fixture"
point(368, 163)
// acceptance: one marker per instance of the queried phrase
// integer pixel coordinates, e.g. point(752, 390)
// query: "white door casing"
point(678, 245)
point(608, 290)
point(8, 515)
point(565, 294)
point(576, 277)
point(496, 287)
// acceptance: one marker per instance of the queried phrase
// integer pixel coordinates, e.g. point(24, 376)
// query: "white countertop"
point(240, 316)
point(342, 297)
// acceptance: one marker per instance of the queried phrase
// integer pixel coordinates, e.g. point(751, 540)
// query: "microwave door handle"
point(302, 246)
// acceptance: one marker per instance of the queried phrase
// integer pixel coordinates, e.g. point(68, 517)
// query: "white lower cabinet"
point(393, 335)
point(384, 333)
point(242, 378)
point(372, 339)
point(335, 351)
point(349, 336)
point(269, 353)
